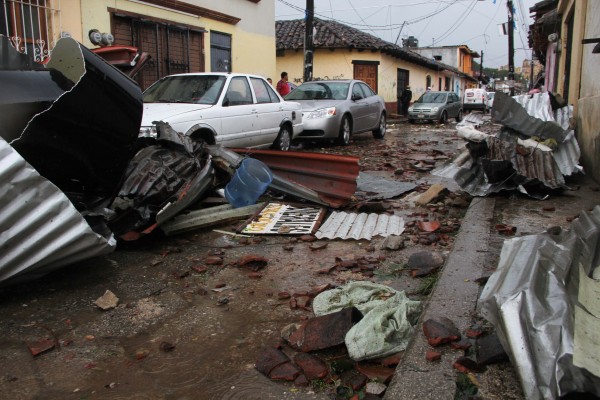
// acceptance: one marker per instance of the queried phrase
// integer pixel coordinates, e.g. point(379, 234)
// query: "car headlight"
point(322, 113)
point(410, 109)
point(435, 109)
point(148, 131)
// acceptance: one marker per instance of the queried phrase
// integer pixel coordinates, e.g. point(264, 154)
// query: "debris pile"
point(363, 325)
point(533, 152)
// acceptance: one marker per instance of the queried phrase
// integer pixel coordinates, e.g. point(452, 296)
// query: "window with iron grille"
point(30, 25)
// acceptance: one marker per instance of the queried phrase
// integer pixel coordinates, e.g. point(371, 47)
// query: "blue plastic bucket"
point(250, 181)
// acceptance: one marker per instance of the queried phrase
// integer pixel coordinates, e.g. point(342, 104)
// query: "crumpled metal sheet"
point(537, 105)
point(475, 119)
point(161, 180)
point(506, 163)
point(511, 114)
point(529, 164)
point(343, 225)
point(40, 229)
point(531, 301)
point(377, 187)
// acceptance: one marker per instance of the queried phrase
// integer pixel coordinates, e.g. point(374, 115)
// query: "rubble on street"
point(353, 272)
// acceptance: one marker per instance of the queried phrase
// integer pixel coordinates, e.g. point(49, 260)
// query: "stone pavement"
point(475, 254)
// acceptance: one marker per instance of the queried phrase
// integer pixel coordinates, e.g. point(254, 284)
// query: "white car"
point(490, 99)
point(233, 110)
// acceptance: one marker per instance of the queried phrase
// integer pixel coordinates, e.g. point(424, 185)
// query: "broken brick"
point(303, 302)
point(322, 332)
point(301, 380)
point(375, 372)
point(433, 355)
point(318, 246)
point(356, 382)
point(285, 372)
point(440, 330)
point(269, 358)
point(466, 365)
point(214, 260)
point(463, 344)
point(41, 346)
point(199, 268)
point(312, 366)
point(424, 263)
point(283, 295)
point(252, 262)
point(308, 238)
point(391, 361)
point(428, 226)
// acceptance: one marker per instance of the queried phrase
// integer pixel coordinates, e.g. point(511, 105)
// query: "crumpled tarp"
point(388, 319)
point(531, 300)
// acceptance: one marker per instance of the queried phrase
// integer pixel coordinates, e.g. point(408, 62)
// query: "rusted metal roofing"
point(40, 229)
point(333, 177)
point(343, 225)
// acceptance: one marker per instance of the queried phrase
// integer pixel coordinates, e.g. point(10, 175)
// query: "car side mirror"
point(356, 96)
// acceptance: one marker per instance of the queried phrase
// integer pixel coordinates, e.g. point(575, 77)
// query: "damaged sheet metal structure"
point(61, 157)
point(533, 152)
point(545, 306)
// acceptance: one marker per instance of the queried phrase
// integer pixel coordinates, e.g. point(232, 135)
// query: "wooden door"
point(366, 72)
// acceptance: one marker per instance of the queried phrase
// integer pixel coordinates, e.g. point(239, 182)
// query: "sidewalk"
point(475, 254)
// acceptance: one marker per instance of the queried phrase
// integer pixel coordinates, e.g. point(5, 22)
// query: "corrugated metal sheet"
point(532, 164)
point(471, 119)
point(40, 229)
point(511, 114)
point(333, 177)
point(343, 225)
point(531, 301)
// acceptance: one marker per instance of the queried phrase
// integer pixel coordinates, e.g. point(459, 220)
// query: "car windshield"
point(197, 89)
point(432, 97)
point(320, 91)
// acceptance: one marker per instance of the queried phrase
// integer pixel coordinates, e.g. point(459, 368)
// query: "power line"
point(458, 22)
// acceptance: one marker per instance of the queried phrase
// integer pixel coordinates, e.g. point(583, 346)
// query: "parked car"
point(234, 110)
point(475, 99)
point(336, 110)
point(490, 99)
point(436, 106)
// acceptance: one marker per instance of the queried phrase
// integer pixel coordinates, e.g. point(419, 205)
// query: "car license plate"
point(421, 116)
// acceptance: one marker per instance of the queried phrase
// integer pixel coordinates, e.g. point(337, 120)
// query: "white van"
point(475, 99)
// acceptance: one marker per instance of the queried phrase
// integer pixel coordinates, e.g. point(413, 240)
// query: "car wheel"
point(459, 116)
point(379, 133)
point(345, 132)
point(411, 121)
point(284, 139)
point(444, 117)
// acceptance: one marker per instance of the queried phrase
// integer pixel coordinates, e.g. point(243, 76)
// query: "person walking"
point(405, 98)
point(282, 86)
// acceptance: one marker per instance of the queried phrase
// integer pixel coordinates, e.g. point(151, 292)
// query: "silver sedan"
point(336, 110)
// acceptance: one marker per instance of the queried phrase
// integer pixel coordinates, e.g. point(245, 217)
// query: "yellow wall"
point(251, 52)
point(337, 64)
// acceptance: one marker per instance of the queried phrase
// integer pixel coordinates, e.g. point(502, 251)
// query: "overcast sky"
point(441, 22)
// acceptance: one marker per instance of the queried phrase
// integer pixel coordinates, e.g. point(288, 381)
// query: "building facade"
point(180, 36)
point(343, 52)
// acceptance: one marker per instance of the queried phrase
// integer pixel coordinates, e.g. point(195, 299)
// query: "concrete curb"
point(455, 296)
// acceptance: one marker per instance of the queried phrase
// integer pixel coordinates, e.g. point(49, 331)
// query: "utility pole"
point(481, 70)
point(511, 47)
point(531, 73)
point(308, 41)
